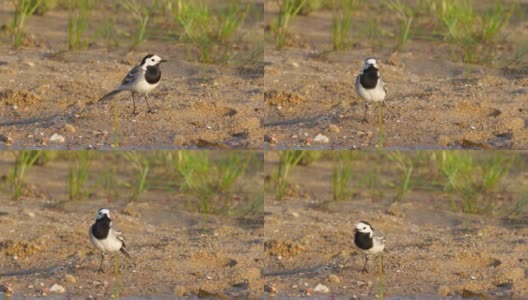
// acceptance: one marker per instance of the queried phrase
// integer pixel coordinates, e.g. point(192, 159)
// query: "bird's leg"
point(101, 265)
point(381, 260)
point(365, 114)
point(149, 110)
point(380, 112)
point(365, 266)
point(134, 103)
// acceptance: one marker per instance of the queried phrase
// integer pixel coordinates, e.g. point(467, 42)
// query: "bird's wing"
point(384, 85)
point(131, 76)
point(119, 235)
point(378, 236)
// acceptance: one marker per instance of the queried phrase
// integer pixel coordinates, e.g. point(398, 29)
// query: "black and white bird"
point(369, 241)
point(142, 79)
point(105, 238)
point(369, 85)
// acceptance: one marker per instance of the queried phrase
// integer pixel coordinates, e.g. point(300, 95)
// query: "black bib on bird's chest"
point(370, 77)
point(363, 240)
point(101, 228)
point(153, 74)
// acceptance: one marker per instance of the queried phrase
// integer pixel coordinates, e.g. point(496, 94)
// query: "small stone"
point(69, 128)
point(270, 139)
point(57, 138)
point(320, 288)
point(6, 290)
point(334, 128)
point(57, 288)
point(5, 139)
point(269, 289)
point(334, 278)
point(321, 139)
point(294, 214)
point(29, 214)
point(179, 140)
point(179, 291)
point(308, 141)
point(70, 278)
point(309, 292)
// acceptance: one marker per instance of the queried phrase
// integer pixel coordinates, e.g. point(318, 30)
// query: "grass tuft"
point(23, 10)
point(342, 23)
point(77, 23)
point(209, 32)
point(288, 10)
point(24, 160)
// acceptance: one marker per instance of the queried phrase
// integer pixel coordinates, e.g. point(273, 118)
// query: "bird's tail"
point(125, 252)
point(110, 95)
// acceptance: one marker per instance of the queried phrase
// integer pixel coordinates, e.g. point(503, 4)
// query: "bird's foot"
point(364, 121)
point(100, 271)
point(150, 111)
point(364, 271)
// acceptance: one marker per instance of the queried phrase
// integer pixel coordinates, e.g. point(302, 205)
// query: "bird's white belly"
point(143, 87)
point(376, 94)
point(110, 244)
point(377, 248)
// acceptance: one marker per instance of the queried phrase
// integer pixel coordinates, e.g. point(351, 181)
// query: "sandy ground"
point(44, 241)
point(432, 252)
point(45, 91)
point(309, 90)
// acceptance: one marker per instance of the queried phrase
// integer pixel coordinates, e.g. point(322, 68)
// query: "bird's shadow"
point(41, 271)
point(30, 121)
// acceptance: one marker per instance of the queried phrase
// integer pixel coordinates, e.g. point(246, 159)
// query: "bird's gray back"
point(131, 77)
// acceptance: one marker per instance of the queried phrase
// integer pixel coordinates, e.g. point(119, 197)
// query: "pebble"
point(70, 278)
point(57, 138)
point(178, 140)
point(334, 278)
point(6, 139)
point(57, 288)
point(320, 288)
point(69, 128)
point(334, 128)
point(321, 139)
point(5, 289)
point(270, 289)
point(270, 139)
point(29, 214)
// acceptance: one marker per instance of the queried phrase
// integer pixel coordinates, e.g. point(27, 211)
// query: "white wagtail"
point(142, 79)
point(369, 85)
point(366, 239)
point(105, 238)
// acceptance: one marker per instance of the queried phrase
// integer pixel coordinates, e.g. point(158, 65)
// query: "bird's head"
point(370, 62)
point(151, 60)
point(364, 227)
point(102, 212)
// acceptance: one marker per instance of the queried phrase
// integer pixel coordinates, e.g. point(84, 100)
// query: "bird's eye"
point(153, 59)
point(364, 228)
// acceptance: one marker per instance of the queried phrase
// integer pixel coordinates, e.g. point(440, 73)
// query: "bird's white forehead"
point(103, 211)
point(370, 62)
point(360, 225)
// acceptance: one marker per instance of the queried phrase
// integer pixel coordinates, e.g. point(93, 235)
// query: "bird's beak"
point(162, 61)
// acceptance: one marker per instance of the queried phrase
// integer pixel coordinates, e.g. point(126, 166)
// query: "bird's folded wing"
point(131, 76)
